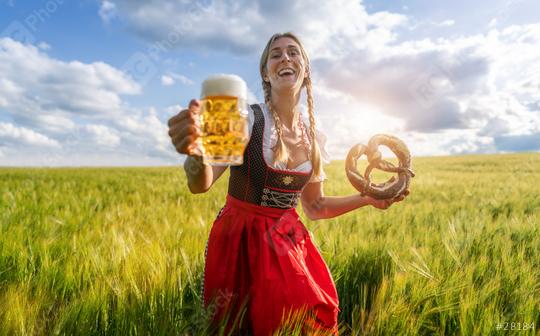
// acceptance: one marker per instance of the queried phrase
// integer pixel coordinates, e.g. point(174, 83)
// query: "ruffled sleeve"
point(251, 119)
point(321, 139)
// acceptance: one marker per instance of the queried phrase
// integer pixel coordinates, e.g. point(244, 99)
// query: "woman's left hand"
point(386, 203)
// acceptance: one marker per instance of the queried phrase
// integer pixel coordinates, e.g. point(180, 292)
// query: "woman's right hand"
point(185, 129)
point(386, 203)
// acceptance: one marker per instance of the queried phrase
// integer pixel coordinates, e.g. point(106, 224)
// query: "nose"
point(285, 57)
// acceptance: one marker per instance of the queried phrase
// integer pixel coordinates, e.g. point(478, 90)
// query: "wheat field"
point(119, 251)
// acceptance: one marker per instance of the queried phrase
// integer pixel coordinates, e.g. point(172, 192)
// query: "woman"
point(259, 254)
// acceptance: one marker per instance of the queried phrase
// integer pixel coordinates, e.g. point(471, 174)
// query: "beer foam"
point(224, 85)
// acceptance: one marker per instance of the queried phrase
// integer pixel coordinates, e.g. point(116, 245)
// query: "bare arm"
point(201, 177)
point(318, 206)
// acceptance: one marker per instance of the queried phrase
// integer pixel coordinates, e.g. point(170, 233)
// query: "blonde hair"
point(281, 153)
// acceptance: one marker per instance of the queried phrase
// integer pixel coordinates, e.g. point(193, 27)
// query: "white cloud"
point(240, 26)
point(182, 79)
point(12, 134)
point(103, 135)
point(173, 109)
point(147, 126)
point(461, 93)
point(166, 80)
point(107, 10)
point(170, 79)
point(386, 20)
point(34, 85)
point(469, 84)
point(430, 85)
point(447, 23)
point(44, 46)
point(447, 142)
point(72, 108)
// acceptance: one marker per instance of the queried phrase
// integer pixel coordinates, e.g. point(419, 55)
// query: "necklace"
point(303, 135)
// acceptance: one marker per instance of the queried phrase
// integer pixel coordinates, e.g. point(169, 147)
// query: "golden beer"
point(224, 123)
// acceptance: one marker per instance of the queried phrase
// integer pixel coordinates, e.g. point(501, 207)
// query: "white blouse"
point(270, 140)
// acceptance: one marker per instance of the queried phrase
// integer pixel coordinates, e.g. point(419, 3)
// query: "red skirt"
point(261, 261)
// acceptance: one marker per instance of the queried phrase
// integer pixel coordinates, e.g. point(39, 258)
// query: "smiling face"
point(285, 68)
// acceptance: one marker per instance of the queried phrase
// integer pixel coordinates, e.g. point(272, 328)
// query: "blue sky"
point(94, 82)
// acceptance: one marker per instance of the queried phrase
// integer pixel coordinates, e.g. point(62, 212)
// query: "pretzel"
point(391, 188)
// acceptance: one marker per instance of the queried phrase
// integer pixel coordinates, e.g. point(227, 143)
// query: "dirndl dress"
point(261, 264)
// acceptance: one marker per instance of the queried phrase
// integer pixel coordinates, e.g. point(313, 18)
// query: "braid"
point(315, 151)
point(280, 154)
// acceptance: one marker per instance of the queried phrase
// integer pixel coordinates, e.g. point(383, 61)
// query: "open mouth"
point(286, 72)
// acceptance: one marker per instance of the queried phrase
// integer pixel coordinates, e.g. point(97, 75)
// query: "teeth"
point(286, 72)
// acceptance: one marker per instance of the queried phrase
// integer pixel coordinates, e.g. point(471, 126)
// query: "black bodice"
point(256, 182)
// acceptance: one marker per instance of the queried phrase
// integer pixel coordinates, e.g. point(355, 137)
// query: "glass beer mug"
point(224, 123)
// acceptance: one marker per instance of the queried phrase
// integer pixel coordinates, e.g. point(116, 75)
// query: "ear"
point(307, 72)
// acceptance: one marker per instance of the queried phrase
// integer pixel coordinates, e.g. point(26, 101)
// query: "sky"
point(93, 83)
